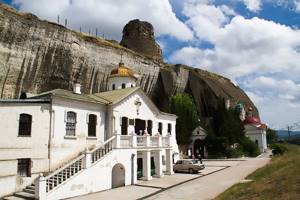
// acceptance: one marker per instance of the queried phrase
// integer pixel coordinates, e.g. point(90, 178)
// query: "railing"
point(137, 141)
point(61, 175)
point(101, 151)
point(154, 141)
point(141, 141)
point(126, 141)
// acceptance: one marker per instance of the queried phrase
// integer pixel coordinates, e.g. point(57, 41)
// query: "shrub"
point(249, 147)
point(278, 149)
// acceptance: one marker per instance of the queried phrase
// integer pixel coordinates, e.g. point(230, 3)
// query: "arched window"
point(113, 86)
point(71, 123)
point(25, 122)
point(123, 85)
point(92, 124)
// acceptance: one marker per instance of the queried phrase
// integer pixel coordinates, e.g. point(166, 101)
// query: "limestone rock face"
point(37, 56)
point(139, 36)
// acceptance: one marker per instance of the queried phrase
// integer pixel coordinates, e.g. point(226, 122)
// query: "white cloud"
point(297, 5)
point(261, 55)
point(246, 46)
point(277, 100)
point(110, 16)
point(205, 19)
point(253, 5)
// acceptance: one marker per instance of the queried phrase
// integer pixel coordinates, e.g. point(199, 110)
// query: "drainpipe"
point(50, 133)
point(132, 168)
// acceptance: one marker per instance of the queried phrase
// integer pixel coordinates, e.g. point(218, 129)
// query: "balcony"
point(145, 141)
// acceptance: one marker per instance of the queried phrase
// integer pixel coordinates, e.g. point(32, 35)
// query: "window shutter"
point(120, 121)
point(87, 118)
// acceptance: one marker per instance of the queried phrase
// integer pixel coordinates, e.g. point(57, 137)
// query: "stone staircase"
point(63, 174)
point(27, 193)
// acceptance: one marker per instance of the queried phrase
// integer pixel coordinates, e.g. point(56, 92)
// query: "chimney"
point(77, 88)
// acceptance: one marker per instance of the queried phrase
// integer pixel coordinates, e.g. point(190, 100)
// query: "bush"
point(278, 149)
point(235, 152)
point(249, 147)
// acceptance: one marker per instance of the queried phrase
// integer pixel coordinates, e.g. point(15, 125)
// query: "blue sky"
point(255, 43)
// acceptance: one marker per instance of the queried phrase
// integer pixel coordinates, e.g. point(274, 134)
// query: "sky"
point(255, 43)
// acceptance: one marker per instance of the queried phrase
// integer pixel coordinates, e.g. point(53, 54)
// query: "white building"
point(197, 145)
point(70, 144)
point(256, 131)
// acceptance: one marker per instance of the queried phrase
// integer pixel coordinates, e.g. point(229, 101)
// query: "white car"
point(188, 165)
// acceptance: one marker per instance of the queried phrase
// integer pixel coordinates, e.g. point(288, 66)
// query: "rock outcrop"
point(139, 36)
point(36, 56)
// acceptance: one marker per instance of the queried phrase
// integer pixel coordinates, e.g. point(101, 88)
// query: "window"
point(25, 122)
point(71, 123)
point(149, 127)
point(169, 128)
point(92, 124)
point(179, 162)
point(160, 127)
point(24, 167)
point(131, 85)
point(123, 85)
point(131, 122)
point(113, 86)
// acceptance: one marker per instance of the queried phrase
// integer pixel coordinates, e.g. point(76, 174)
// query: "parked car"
point(188, 165)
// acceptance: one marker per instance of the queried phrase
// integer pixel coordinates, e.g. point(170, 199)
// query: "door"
point(118, 176)
point(140, 126)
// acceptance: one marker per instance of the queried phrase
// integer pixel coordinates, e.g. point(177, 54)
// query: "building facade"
point(69, 144)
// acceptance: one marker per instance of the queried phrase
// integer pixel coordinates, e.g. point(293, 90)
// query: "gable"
point(147, 107)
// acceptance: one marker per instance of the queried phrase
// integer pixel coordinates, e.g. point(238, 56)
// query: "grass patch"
point(280, 180)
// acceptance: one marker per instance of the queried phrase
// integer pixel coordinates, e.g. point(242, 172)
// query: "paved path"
point(216, 178)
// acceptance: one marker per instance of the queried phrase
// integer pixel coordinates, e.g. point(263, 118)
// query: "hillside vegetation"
point(279, 180)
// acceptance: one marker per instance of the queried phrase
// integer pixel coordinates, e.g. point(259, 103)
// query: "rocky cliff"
point(37, 56)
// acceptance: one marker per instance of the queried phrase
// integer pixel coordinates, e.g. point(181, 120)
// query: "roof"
point(109, 97)
point(70, 95)
point(42, 101)
point(122, 71)
point(114, 96)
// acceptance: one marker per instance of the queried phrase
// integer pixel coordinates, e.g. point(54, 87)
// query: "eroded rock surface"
point(139, 36)
point(36, 56)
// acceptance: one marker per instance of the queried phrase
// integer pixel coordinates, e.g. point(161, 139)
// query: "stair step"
point(24, 195)
point(31, 191)
point(31, 187)
point(13, 198)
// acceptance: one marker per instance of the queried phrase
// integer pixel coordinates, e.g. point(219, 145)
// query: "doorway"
point(140, 126)
point(124, 126)
point(198, 148)
point(118, 176)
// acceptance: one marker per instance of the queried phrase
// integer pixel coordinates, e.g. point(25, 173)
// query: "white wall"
point(118, 81)
point(98, 177)
point(254, 134)
point(146, 112)
point(13, 147)
point(64, 148)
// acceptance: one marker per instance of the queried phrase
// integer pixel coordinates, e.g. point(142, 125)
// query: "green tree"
point(271, 136)
point(226, 135)
point(184, 107)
